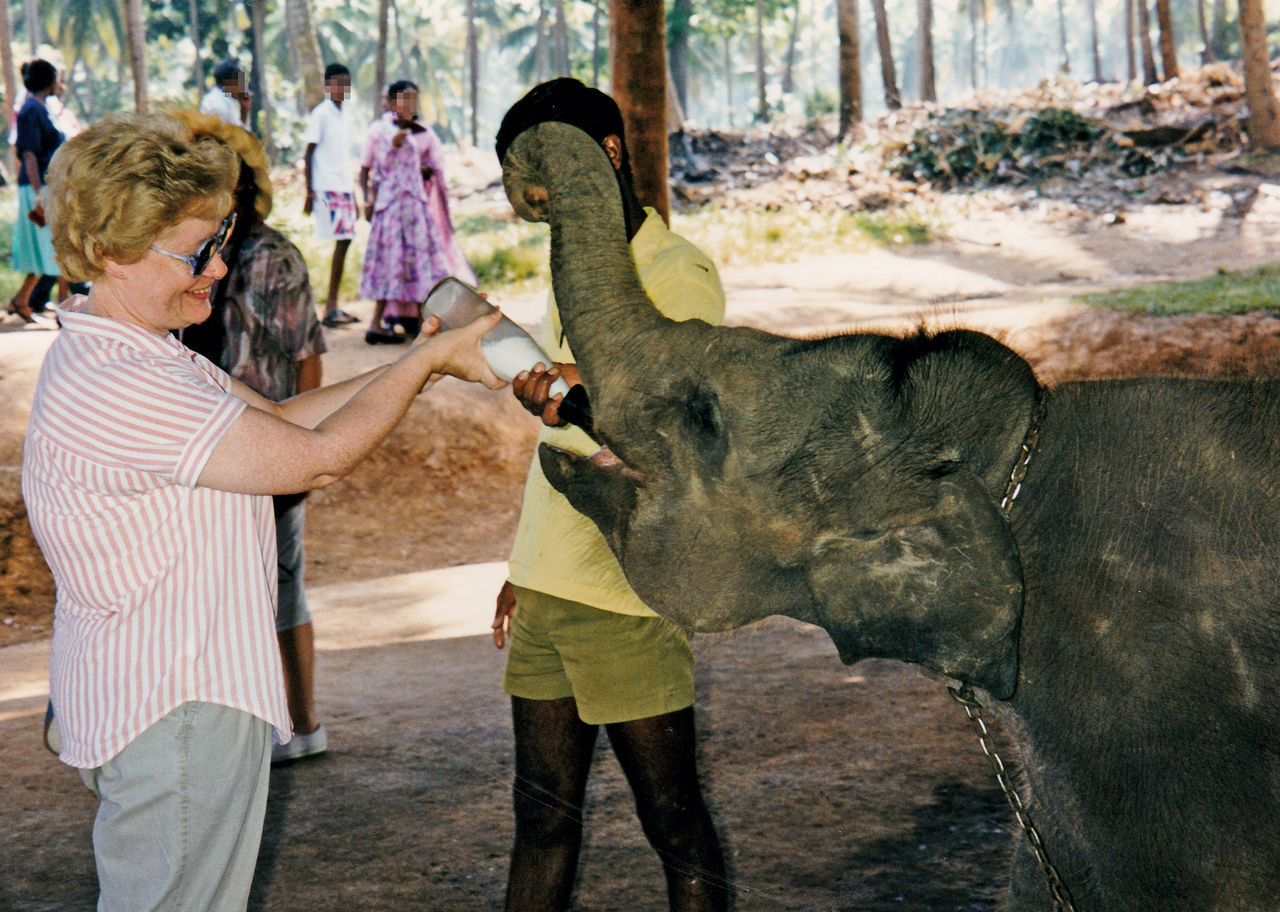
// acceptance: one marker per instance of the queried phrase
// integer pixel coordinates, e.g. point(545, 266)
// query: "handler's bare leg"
point(553, 757)
point(658, 755)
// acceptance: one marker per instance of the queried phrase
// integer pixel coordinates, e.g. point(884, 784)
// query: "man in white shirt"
point(230, 96)
point(331, 197)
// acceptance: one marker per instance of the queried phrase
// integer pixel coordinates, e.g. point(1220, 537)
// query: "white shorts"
point(335, 215)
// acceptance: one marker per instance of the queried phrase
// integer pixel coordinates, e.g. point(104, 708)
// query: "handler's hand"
point(502, 615)
point(533, 387)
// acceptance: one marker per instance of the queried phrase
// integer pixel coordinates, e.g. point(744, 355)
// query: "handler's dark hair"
point(335, 69)
point(565, 100)
point(227, 72)
point(38, 75)
point(399, 87)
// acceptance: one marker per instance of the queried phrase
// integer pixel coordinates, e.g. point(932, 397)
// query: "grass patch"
point(735, 238)
point(1226, 292)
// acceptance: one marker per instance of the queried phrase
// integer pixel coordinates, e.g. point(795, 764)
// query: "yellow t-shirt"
point(558, 550)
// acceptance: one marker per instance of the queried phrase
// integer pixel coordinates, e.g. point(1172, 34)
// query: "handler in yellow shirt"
point(585, 651)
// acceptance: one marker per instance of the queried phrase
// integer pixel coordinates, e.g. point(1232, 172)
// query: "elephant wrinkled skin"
point(1123, 619)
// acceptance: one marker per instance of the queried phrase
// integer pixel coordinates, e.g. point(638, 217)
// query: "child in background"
point(411, 241)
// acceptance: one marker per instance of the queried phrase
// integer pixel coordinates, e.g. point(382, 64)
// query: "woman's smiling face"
point(168, 296)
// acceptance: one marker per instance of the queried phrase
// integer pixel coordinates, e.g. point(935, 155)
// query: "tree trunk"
point(1206, 43)
point(928, 90)
point(762, 95)
point(560, 42)
point(678, 49)
point(1149, 75)
point(850, 67)
point(136, 35)
point(788, 69)
point(302, 34)
point(1093, 40)
point(595, 43)
point(1065, 65)
point(541, 45)
point(33, 26)
point(259, 110)
point(380, 55)
point(197, 67)
point(1220, 27)
point(1263, 125)
point(1130, 58)
point(473, 70)
point(973, 45)
point(884, 43)
point(728, 78)
point(1168, 43)
point(637, 44)
point(6, 56)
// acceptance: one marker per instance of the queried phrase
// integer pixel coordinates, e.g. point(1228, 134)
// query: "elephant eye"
point(701, 415)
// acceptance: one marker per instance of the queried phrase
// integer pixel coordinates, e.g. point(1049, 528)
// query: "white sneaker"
point(299, 746)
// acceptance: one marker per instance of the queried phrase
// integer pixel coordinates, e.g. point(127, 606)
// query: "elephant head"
point(851, 481)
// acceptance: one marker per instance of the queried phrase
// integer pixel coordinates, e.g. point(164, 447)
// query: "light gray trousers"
point(180, 814)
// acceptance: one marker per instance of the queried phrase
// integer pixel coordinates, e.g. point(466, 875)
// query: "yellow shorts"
point(617, 667)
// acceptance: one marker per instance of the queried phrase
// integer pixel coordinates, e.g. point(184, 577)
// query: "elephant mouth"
point(605, 458)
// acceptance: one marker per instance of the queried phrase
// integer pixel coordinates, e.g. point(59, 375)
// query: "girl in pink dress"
point(411, 241)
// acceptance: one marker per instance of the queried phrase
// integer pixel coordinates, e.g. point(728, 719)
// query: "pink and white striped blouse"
point(166, 591)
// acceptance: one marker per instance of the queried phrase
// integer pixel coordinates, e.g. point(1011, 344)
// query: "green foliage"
point(1226, 292)
point(507, 254)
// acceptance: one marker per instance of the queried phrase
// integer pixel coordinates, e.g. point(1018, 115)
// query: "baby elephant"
point(1096, 562)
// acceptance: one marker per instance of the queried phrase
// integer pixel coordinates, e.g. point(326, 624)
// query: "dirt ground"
point(833, 787)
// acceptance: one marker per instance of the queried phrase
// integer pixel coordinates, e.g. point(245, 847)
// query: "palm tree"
point(1263, 125)
point(302, 35)
point(6, 54)
point(1144, 42)
point(33, 26)
point(380, 59)
point(928, 88)
point(884, 44)
point(850, 67)
point(678, 48)
point(1065, 64)
point(639, 86)
point(1093, 40)
point(137, 39)
point(762, 96)
point(1168, 44)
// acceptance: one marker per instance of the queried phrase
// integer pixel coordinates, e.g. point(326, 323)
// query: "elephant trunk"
point(609, 320)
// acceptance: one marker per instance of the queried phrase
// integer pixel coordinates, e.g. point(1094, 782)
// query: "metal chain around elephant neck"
point(964, 695)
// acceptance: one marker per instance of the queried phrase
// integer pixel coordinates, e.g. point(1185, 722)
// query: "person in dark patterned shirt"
point(264, 332)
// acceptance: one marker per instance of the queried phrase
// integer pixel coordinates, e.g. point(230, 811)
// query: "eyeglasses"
point(212, 246)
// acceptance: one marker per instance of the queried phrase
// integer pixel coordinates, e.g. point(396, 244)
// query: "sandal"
point(384, 338)
point(21, 309)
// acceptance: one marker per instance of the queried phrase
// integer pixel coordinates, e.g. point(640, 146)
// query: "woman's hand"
point(398, 140)
point(456, 352)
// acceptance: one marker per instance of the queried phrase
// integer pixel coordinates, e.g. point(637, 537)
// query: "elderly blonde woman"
point(146, 475)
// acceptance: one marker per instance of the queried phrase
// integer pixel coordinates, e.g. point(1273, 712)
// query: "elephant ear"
point(943, 589)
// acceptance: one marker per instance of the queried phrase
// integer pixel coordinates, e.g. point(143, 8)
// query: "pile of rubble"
point(1066, 139)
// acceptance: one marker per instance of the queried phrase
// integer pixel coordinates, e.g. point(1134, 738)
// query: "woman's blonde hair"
point(116, 187)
